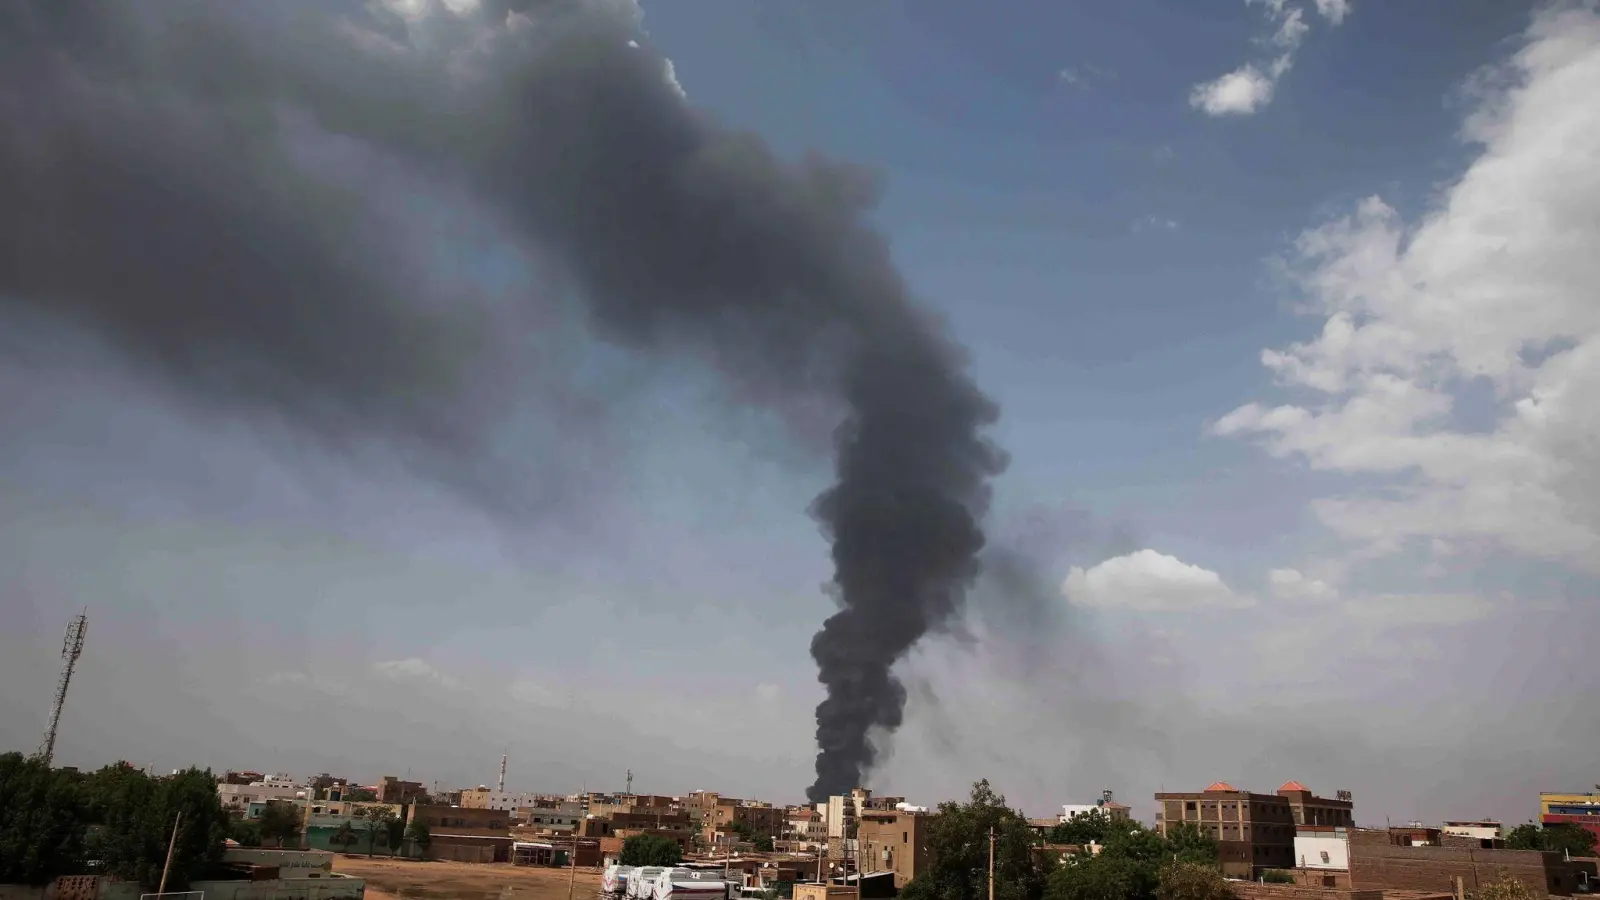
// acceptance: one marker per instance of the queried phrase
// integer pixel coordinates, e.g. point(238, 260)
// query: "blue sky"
point(1346, 561)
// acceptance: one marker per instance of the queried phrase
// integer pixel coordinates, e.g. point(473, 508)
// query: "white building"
point(1106, 805)
point(275, 787)
point(562, 816)
point(1322, 849)
point(1483, 829)
point(484, 797)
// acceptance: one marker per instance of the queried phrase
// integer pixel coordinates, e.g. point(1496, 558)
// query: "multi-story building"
point(1582, 810)
point(1253, 831)
point(805, 825)
point(841, 811)
point(391, 789)
point(714, 814)
point(893, 840)
point(1309, 809)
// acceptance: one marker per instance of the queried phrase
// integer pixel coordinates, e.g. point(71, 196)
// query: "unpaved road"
point(402, 879)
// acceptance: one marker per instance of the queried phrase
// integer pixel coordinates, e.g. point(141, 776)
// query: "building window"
point(1189, 807)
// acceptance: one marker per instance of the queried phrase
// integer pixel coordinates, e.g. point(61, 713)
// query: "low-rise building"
point(1377, 863)
point(465, 835)
point(1106, 806)
point(238, 797)
point(1476, 829)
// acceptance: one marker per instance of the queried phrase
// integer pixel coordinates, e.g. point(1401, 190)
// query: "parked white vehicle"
point(687, 884)
point(641, 882)
point(615, 879)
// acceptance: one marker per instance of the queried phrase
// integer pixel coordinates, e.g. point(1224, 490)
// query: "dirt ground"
point(403, 879)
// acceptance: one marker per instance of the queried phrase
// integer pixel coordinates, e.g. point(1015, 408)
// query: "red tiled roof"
point(1294, 786)
point(1221, 786)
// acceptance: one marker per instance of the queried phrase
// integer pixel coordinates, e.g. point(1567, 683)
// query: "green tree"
point(1187, 843)
point(1084, 828)
point(344, 837)
point(42, 819)
point(1569, 839)
point(136, 815)
point(1107, 876)
point(375, 821)
point(280, 822)
point(958, 850)
point(1132, 841)
point(361, 795)
point(650, 850)
point(1277, 876)
point(747, 832)
point(1192, 881)
point(417, 833)
point(244, 831)
point(1526, 836)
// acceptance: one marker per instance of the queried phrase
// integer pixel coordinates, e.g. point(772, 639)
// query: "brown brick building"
point(1253, 831)
point(465, 835)
point(894, 841)
point(392, 790)
point(1309, 809)
point(1377, 863)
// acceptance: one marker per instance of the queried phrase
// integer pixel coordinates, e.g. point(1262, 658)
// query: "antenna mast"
point(630, 782)
point(71, 649)
point(503, 755)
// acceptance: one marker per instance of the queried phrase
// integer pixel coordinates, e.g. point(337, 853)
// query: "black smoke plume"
point(220, 191)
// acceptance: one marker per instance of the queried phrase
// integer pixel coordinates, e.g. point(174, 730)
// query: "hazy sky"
point(1292, 311)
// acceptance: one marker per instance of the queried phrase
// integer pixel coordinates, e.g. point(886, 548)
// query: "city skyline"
point(1288, 308)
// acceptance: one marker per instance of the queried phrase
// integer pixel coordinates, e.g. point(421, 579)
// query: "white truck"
point(615, 879)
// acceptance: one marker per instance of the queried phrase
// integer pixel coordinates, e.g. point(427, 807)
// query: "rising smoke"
point(227, 194)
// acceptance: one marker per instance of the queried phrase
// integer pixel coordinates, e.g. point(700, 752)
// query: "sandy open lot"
point(389, 879)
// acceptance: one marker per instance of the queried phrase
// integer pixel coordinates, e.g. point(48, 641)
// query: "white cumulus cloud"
point(1150, 581)
point(414, 670)
point(1251, 86)
point(1292, 584)
point(1333, 10)
point(1458, 365)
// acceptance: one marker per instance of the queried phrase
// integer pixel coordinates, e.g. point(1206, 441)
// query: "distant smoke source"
point(219, 190)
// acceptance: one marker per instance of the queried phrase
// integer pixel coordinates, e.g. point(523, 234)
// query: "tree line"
point(56, 822)
point(117, 821)
point(1134, 863)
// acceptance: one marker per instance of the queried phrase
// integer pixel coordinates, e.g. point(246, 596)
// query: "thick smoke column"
point(214, 189)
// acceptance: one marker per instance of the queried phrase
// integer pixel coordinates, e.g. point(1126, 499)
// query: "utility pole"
point(71, 649)
point(305, 820)
point(991, 862)
point(172, 843)
point(572, 863)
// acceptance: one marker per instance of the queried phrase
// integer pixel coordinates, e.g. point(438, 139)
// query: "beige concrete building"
point(894, 841)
